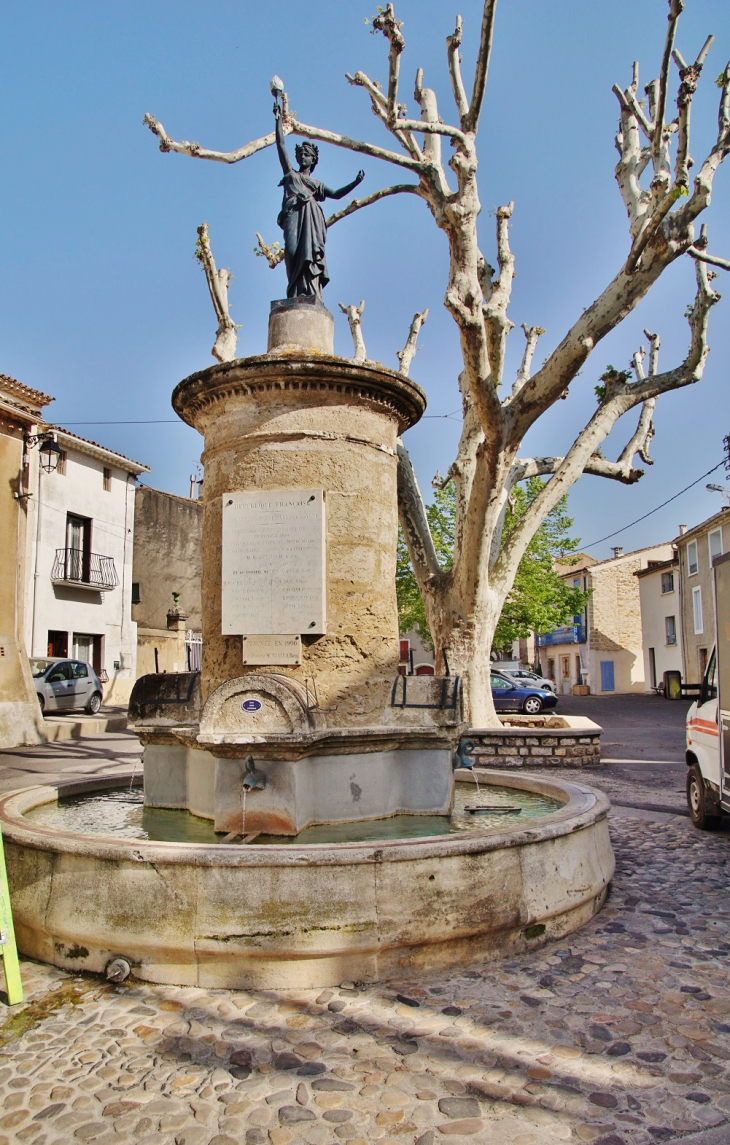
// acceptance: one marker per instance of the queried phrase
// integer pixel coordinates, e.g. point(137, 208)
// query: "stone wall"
point(168, 541)
point(543, 741)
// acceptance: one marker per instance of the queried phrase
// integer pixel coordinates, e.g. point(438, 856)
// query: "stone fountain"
point(299, 721)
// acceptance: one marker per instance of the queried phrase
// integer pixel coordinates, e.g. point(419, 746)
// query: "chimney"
point(618, 551)
point(682, 530)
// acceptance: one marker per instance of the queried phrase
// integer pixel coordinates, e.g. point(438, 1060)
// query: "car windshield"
point(39, 667)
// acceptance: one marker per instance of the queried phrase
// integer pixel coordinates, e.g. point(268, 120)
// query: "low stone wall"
point(538, 741)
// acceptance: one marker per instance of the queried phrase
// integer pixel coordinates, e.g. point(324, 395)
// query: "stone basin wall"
point(538, 741)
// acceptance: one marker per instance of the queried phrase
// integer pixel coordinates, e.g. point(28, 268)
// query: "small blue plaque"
point(251, 705)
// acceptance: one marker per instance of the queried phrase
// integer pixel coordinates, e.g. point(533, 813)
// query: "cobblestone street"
point(618, 1033)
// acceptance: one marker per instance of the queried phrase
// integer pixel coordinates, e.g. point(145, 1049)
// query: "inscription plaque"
point(273, 575)
point(272, 649)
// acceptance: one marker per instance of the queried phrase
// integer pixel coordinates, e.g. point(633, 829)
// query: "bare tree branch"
point(198, 152)
point(358, 204)
point(582, 455)
point(386, 23)
point(218, 281)
point(471, 121)
point(354, 314)
point(355, 145)
point(414, 522)
point(408, 353)
point(498, 295)
point(532, 333)
point(689, 75)
point(675, 11)
point(426, 99)
point(379, 107)
point(453, 43)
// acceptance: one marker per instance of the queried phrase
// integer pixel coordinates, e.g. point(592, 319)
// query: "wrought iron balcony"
point(568, 634)
point(84, 570)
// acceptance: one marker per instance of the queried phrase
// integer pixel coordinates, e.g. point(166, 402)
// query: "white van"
point(708, 720)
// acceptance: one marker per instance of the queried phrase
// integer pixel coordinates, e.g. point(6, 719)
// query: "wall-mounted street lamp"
point(725, 490)
point(48, 448)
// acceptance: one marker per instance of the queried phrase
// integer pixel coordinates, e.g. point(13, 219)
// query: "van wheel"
point(94, 704)
point(700, 808)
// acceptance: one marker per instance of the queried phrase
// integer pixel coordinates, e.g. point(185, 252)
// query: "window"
point(60, 672)
point(709, 682)
point(697, 610)
point(670, 627)
point(107, 480)
point(578, 671)
point(667, 582)
point(135, 600)
point(551, 669)
point(692, 563)
point(714, 540)
point(78, 671)
point(61, 464)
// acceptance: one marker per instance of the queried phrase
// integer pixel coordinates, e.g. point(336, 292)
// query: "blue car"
point(509, 696)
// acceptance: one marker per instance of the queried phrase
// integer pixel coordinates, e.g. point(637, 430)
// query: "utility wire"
point(652, 511)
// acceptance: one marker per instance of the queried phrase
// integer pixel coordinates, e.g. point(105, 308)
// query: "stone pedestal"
point(301, 324)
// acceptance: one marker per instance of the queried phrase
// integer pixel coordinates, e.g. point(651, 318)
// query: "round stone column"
point(297, 419)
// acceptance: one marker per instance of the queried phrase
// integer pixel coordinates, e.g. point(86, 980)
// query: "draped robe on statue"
point(305, 233)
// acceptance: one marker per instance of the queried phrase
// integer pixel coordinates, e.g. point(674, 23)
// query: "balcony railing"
point(85, 570)
point(568, 634)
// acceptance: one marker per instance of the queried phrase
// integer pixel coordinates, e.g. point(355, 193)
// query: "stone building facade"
point(20, 412)
point(604, 647)
point(166, 604)
point(696, 549)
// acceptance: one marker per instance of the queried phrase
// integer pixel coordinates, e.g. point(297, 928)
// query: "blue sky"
point(104, 307)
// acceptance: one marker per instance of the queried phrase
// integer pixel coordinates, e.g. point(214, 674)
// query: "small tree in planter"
point(464, 603)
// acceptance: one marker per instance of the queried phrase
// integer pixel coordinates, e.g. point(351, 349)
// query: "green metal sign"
point(8, 949)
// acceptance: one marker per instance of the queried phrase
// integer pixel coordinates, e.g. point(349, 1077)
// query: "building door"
point(83, 647)
point(551, 670)
point(652, 669)
point(608, 683)
point(565, 674)
point(57, 643)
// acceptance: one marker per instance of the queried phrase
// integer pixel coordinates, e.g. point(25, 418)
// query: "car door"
point(703, 733)
point(504, 694)
point(60, 684)
point(82, 684)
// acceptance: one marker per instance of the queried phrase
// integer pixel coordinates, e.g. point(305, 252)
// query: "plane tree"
point(663, 203)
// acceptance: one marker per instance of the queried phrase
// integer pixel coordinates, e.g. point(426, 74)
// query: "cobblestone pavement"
point(616, 1034)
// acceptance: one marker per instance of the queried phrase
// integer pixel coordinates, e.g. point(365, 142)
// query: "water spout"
point(253, 780)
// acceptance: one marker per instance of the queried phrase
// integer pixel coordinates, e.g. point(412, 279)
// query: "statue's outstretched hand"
point(359, 177)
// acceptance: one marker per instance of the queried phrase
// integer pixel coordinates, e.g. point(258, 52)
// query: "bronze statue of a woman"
point(302, 219)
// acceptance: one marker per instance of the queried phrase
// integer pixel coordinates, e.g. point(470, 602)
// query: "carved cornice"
point(308, 376)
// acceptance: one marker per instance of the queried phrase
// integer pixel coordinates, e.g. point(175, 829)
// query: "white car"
point(529, 679)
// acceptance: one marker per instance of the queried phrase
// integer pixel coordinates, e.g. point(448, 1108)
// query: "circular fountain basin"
point(294, 913)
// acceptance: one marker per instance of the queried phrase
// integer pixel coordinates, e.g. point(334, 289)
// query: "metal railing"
point(79, 567)
point(568, 634)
